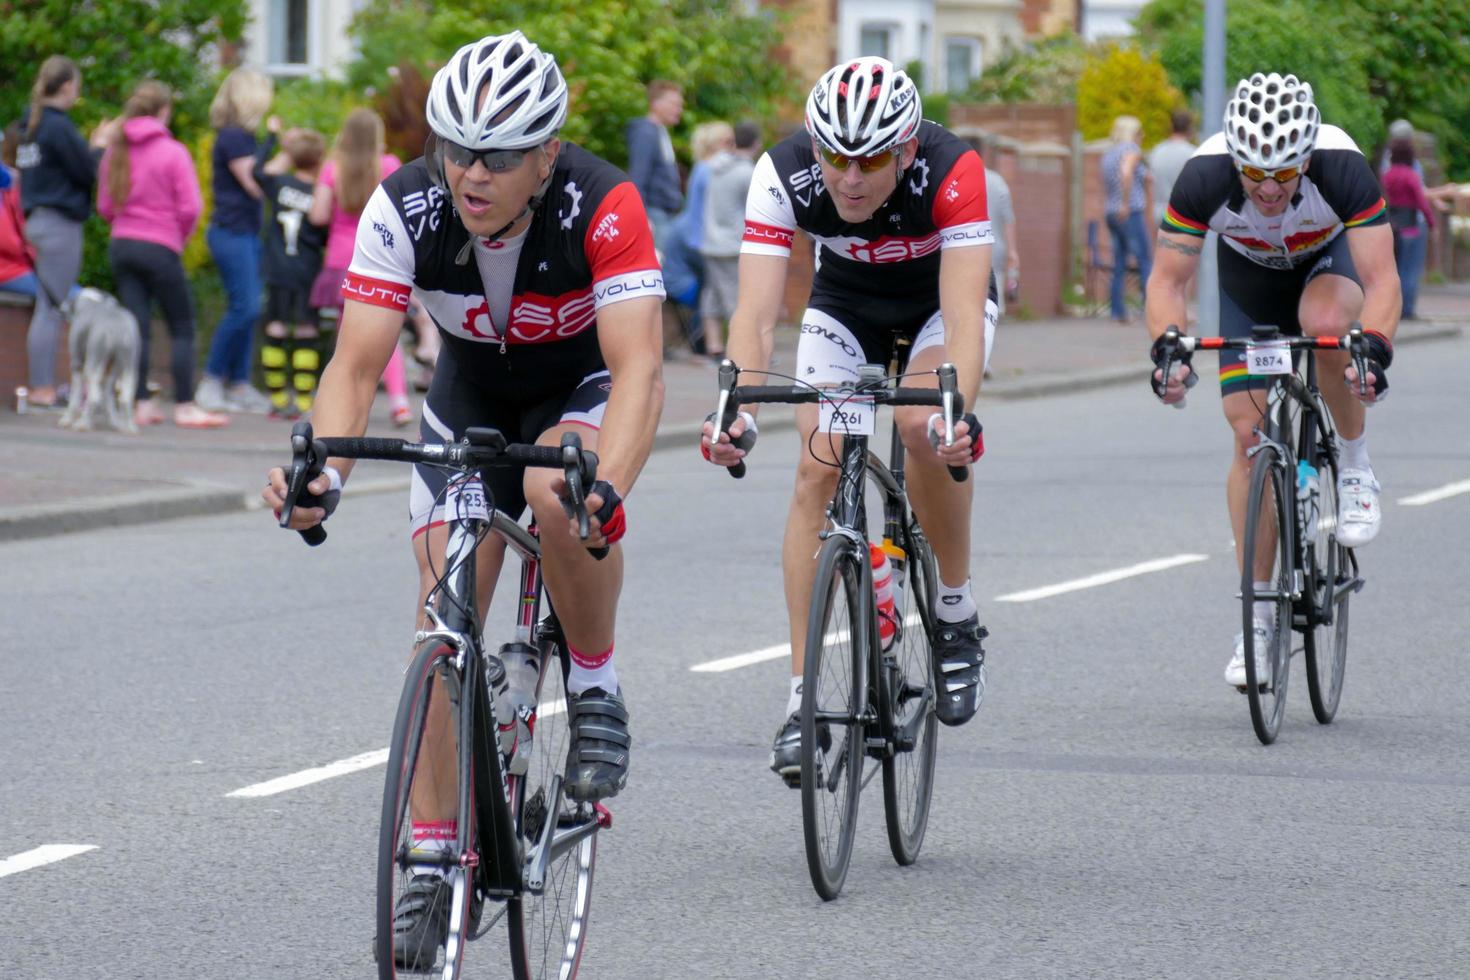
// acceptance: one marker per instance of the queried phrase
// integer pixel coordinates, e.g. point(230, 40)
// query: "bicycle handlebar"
point(1352, 341)
point(731, 397)
point(479, 448)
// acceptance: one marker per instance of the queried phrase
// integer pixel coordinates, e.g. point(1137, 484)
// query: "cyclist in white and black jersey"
point(896, 207)
point(535, 260)
point(1305, 245)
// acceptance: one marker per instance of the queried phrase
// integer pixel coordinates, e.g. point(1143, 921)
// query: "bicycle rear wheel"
point(833, 702)
point(1333, 573)
point(419, 865)
point(1267, 670)
point(548, 922)
point(906, 688)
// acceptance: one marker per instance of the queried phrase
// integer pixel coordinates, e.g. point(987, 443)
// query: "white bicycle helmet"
point(1271, 122)
point(862, 107)
point(498, 93)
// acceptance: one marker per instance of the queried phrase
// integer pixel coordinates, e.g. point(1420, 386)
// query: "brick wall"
point(1022, 123)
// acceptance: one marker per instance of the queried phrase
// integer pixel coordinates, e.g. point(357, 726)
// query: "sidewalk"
point(53, 480)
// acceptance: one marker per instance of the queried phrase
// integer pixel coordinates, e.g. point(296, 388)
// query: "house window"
point(876, 39)
point(961, 63)
point(289, 32)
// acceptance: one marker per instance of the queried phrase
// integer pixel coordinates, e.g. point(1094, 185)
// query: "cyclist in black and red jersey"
point(535, 260)
point(1305, 245)
point(896, 206)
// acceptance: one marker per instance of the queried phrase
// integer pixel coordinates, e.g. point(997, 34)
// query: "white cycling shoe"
point(1235, 670)
point(1358, 514)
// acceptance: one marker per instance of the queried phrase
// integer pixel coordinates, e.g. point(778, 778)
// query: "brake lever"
point(306, 465)
point(948, 382)
point(1360, 360)
point(726, 413)
point(580, 471)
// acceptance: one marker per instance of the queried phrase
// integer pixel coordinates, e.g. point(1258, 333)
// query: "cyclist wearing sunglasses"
point(535, 260)
point(1306, 246)
point(896, 207)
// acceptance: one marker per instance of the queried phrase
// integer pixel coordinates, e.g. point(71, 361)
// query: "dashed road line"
point(1436, 495)
point(1101, 578)
point(342, 767)
point(40, 856)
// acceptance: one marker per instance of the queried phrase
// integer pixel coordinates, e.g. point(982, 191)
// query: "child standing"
point(290, 353)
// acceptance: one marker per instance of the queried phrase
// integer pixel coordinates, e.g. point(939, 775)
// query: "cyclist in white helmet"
point(535, 260)
point(1305, 244)
point(896, 206)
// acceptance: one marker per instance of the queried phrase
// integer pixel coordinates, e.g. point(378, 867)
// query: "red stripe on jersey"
point(961, 197)
point(376, 292)
point(760, 234)
point(619, 238)
point(891, 248)
point(537, 319)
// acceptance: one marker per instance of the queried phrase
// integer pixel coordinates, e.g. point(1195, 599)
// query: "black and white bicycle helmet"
point(498, 93)
point(1271, 122)
point(862, 107)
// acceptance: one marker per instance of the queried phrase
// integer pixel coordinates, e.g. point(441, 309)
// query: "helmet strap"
point(532, 206)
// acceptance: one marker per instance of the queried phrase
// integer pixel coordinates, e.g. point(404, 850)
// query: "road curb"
point(172, 503)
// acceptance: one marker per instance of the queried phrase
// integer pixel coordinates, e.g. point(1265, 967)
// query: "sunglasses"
point(1282, 176)
point(495, 161)
point(866, 164)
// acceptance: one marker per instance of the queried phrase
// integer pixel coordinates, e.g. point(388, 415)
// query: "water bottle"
point(887, 560)
point(523, 670)
point(1306, 498)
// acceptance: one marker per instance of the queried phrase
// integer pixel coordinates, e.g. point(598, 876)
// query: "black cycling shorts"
point(1252, 294)
point(454, 405)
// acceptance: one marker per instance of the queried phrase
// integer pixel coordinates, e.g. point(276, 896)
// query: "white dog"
point(104, 360)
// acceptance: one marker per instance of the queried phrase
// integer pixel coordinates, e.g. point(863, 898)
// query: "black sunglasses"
point(495, 161)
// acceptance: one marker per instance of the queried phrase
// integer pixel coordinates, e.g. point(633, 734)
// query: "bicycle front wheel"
point(424, 890)
point(1333, 580)
point(906, 687)
point(548, 920)
point(1267, 528)
point(833, 701)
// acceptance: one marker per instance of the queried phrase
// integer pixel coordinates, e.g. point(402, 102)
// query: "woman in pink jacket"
point(149, 193)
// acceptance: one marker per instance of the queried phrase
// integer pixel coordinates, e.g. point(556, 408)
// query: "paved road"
point(1108, 814)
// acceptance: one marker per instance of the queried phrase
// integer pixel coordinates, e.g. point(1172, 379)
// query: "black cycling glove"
point(1378, 353)
point(1158, 352)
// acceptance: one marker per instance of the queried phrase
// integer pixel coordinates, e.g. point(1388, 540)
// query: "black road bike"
point(519, 855)
point(863, 708)
point(1291, 513)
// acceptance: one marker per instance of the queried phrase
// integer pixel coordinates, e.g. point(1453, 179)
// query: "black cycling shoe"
point(786, 752)
point(959, 670)
point(421, 922)
point(597, 764)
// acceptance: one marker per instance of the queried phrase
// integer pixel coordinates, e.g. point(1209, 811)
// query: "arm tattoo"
point(1179, 246)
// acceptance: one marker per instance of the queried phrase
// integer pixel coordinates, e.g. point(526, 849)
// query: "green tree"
point(1046, 73)
point(118, 43)
point(1125, 81)
point(608, 53)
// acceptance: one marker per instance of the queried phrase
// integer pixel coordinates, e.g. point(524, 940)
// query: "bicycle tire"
point(1332, 570)
point(548, 931)
point(832, 730)
point(1268, 700)
point(409, 766)
point(906, 690)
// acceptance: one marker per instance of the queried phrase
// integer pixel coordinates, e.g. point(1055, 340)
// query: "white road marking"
point(1102, 578)
point(776, 652)
point(45, 854)
point(341, 767)
point(1434, 496)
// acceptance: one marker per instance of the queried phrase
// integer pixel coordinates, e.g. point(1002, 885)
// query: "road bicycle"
point(1291, 513)
point(518, 855)
point(864, 708)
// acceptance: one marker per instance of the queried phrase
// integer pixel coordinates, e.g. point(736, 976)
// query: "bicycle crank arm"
point(534, 875)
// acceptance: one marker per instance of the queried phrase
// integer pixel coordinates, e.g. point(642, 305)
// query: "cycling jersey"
point(1338, 191)
point(939, 203)
point(588, 246)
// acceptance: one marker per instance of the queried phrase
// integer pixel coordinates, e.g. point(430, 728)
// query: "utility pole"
point(1214, 114)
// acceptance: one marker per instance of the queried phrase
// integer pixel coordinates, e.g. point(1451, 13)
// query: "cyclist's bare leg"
point(1244, 410)
point(815, 483)
point(1329, 306)
point(589, 617)
point(941, 505)
point(436, 798)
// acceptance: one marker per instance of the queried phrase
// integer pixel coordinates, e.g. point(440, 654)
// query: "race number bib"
point(1267, 359)
point(851, 416)
point(464, 500)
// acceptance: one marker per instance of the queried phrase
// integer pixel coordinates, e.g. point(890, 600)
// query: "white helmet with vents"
point(1271, 122)
point(498, 93)
point(862, 107)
